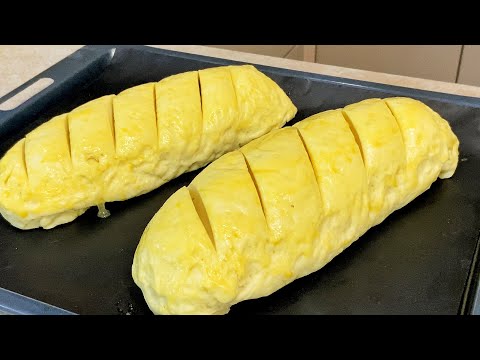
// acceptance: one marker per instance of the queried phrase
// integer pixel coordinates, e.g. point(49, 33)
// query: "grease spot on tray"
point(124, 309)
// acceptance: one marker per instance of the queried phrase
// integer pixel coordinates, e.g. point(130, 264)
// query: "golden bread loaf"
point(288, 202)
point(117, 147)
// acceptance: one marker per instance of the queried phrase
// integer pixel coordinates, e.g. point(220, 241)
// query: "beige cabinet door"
point(270, 50)
point(470, 66)
point(294, 52)
point(437, 62)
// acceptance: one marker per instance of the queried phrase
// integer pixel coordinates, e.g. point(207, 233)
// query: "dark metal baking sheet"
point(420, 260)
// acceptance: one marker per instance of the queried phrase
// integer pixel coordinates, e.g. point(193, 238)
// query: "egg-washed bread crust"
point(117, 147)
point(302, 195)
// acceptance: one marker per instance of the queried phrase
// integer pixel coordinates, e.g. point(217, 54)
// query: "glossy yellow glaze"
point(117, 147)
point(302, 196)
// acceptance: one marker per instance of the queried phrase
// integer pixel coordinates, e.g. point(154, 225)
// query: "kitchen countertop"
point(19, 63)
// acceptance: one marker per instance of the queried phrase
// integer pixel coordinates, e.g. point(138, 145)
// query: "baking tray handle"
point(75, 71)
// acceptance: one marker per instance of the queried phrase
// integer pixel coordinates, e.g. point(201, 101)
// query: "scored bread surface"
point(116, 147)
point(285, 204)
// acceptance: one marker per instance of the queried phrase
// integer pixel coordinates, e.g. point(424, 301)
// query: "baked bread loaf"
point(288, 202)
point(116, 147)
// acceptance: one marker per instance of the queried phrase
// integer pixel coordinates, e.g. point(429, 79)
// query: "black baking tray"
point(423, 259)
